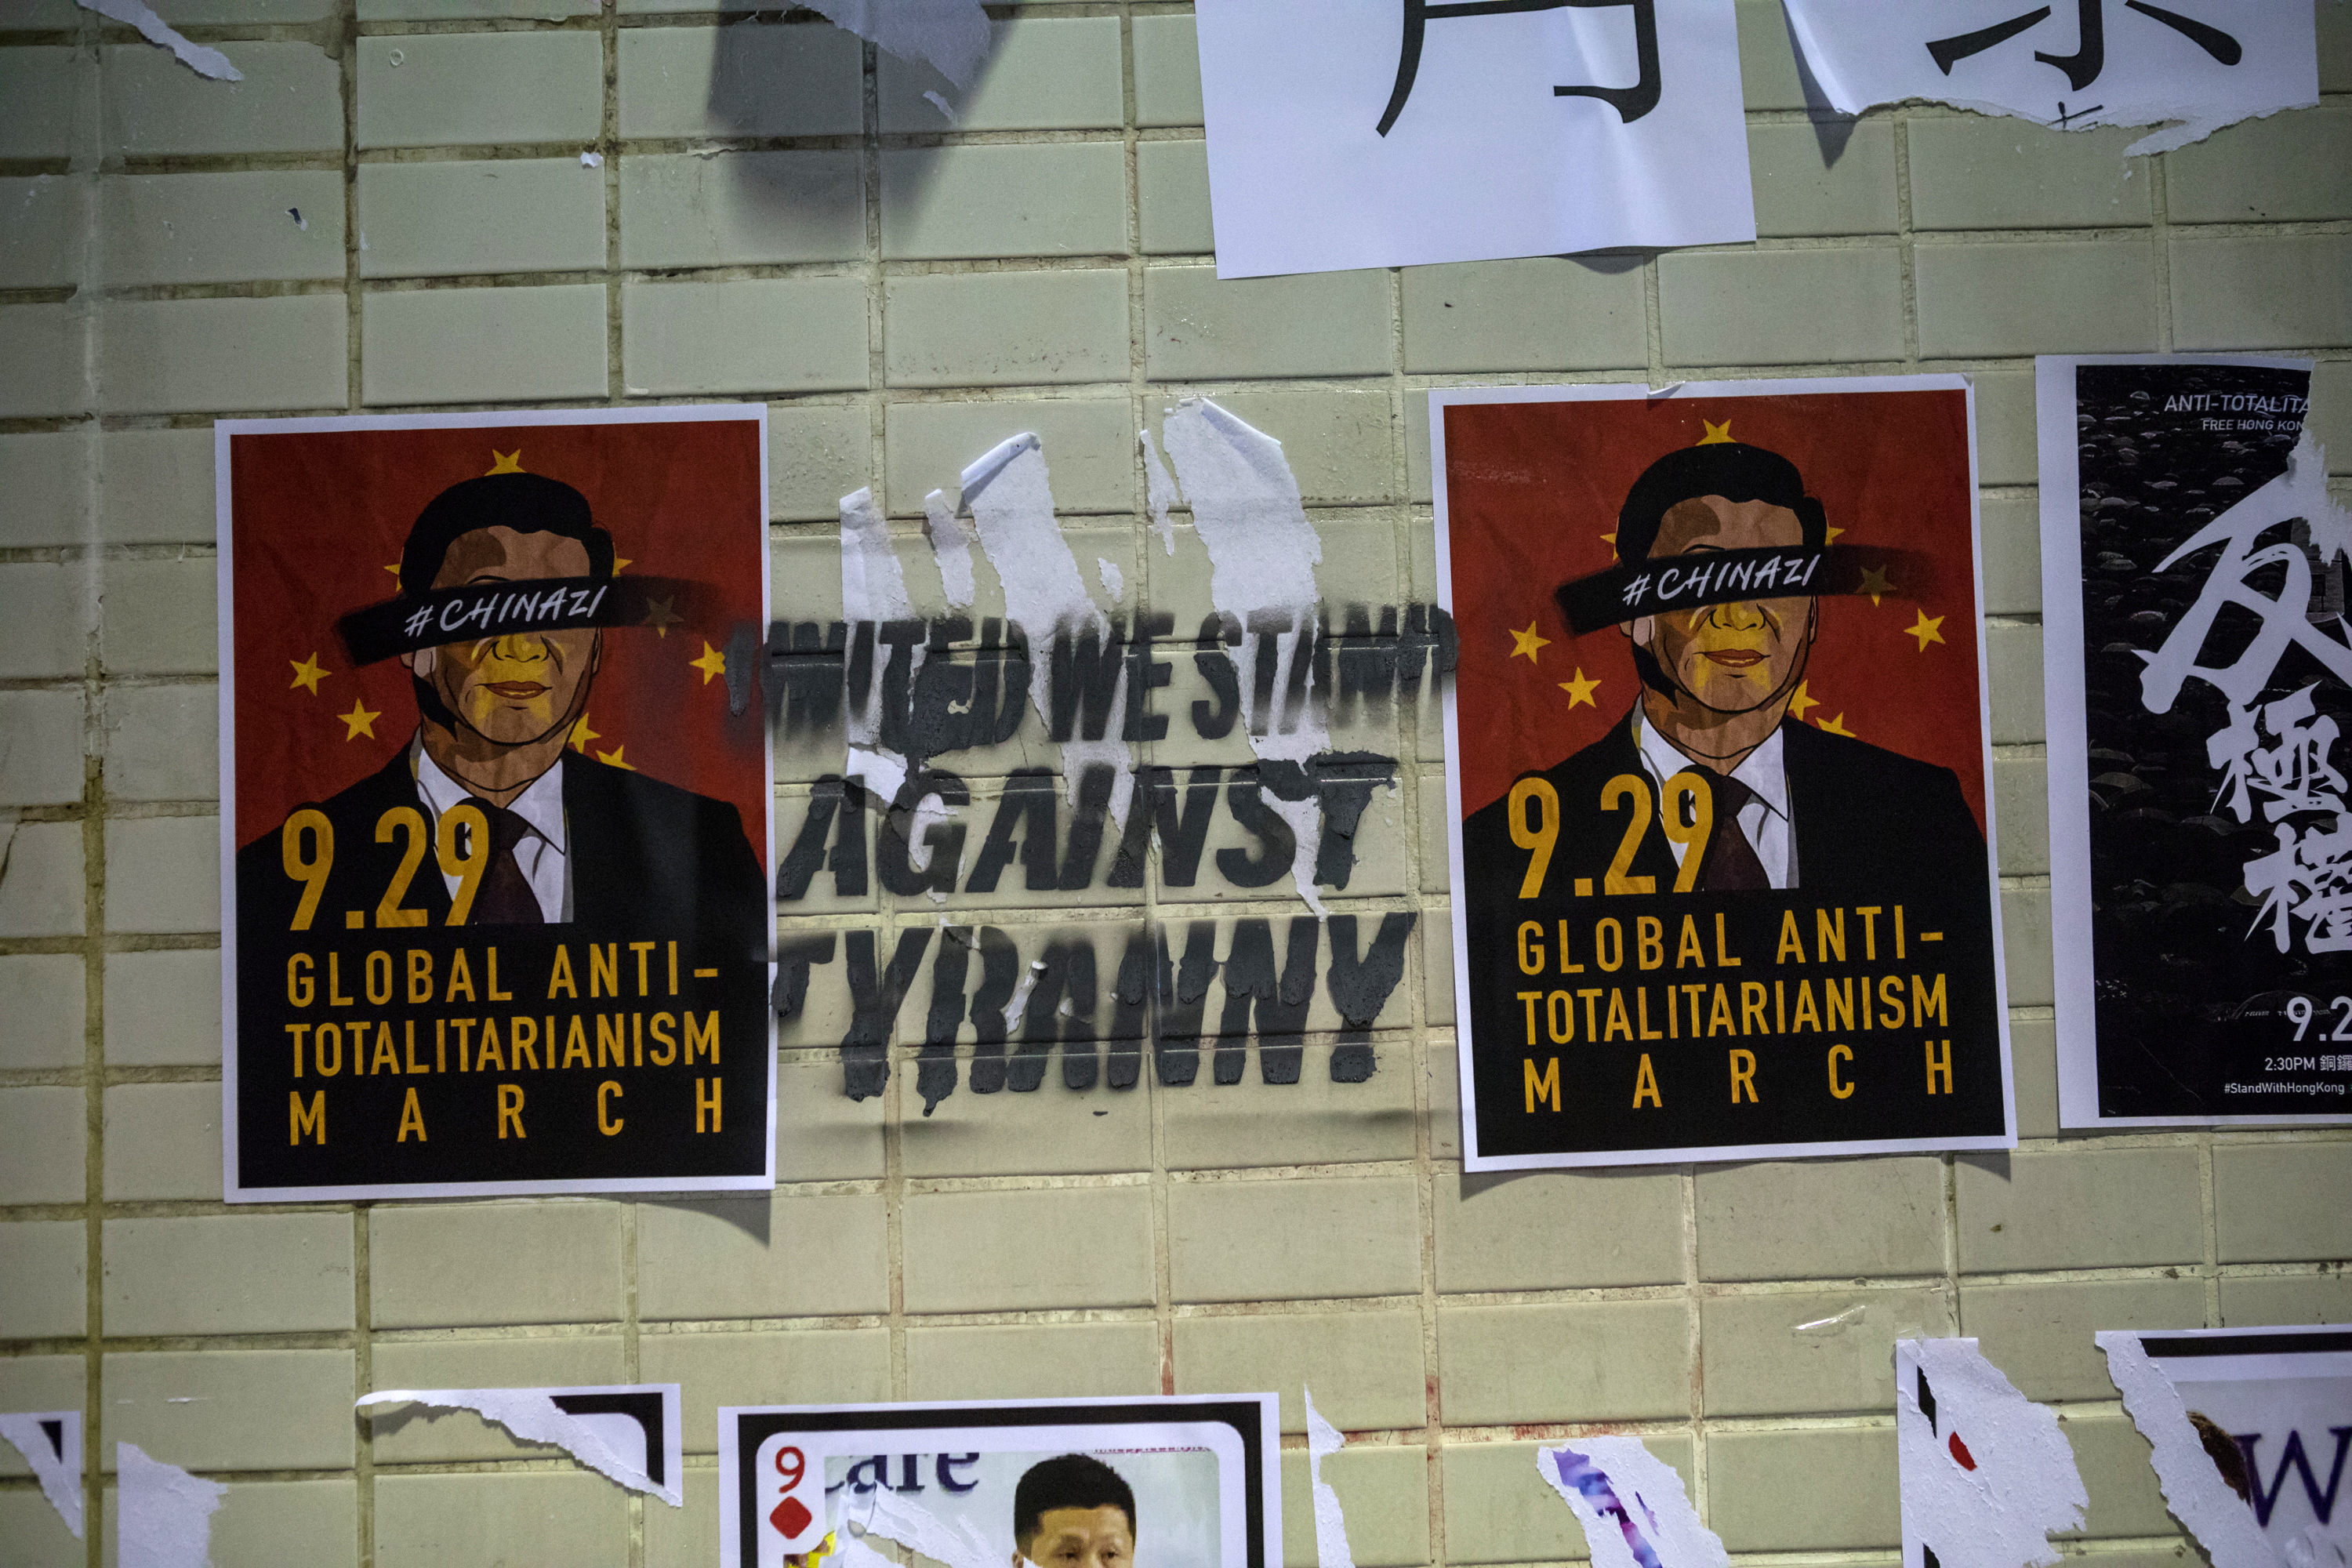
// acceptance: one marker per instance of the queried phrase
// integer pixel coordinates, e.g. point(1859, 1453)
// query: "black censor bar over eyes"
point(1632, 590)
point(475, 610)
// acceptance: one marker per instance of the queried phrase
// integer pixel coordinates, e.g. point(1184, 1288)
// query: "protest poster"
point(2196, 675)
point(2248, 1429)
point(1719, 752)
point(1059, 1483)
point(495, 830)
point(1345, 135)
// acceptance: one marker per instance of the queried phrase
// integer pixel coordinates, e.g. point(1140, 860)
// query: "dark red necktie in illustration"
point(506, 899)
point(1731, 864)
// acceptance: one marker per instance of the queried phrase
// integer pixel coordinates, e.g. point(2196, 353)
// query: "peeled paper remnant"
point(198, 57)
point(50, 1441)
point(1262, 552)
point(1987, 1474)
point(163, 1516)
point(958, 1545)
point(951, 35)
point(1323, 1440)
point(2193, 1486)
point(2071, 68)
point(631, 1434)
point(1011, 499)
point(1632, 1505)
point(873, 591)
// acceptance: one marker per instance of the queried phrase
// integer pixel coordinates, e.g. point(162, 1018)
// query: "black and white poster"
point(1186, 1481)
point(2198, 669)
point(2195, 65)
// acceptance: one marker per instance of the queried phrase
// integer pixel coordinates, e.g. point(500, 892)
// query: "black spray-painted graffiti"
point(971, 688)
point(1158, 1000)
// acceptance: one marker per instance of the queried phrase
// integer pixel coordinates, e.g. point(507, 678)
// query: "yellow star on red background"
point(711, 663)
point(613, 758)
point(1717, 435)
point(1527, 642)
point(360, 722)
point(582, 734)
point(308, 673)
point(1874, 582)
point(1924, 629)
point(1803, 700)
point(505, 462)
point(661, 614)
point(1836, 726)
point(1579, 690)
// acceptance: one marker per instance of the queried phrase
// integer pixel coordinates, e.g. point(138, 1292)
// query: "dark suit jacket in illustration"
point(1867, 820)
point(643, 854)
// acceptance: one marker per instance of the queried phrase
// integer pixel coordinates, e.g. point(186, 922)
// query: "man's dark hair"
point(527, 503)
point(1727, 468)
point(1068, 1480)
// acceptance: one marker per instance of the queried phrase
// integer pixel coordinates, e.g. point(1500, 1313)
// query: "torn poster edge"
point(951, 549)
point(163, 1515)
point(1248, 512)
point(533, 1416)
point(2194, 1490)
point(957, 1545)
point(198, 57)
point(1323, 1440)
point(1676, 1539)
point(1009, 491)
point(951, 36)
point(59, 1472)
point(2176, 125)
point(1944, 1506)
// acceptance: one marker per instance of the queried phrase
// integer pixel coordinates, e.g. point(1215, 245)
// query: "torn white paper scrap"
point(1632, 1505)
point(204, 61)
point(630, 1432)
point(1323, 1440)
point(1114, 582)
point(50, 1441)
point(1160, 493)
point(951, 548)
point(958, 1545)
point(949, 35)
point(1010, 497)
point(1262, 552)
point(2072, 67)
point(873, 591)
point(1473, 134)
point(163, 1516)
point(2194, 1487)
point(1987, 1474)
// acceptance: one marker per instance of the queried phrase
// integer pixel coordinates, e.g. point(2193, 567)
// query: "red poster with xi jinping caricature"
point(1718, 772)
point(496, 822)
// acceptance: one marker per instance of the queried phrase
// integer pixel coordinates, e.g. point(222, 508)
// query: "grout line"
point(363, 1380)
point(1694, 1328)
point(89, 137)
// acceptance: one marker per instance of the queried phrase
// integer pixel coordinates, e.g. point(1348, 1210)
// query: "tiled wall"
point(781, 215)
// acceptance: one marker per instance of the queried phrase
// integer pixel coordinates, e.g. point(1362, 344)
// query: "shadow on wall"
point(792, 74)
